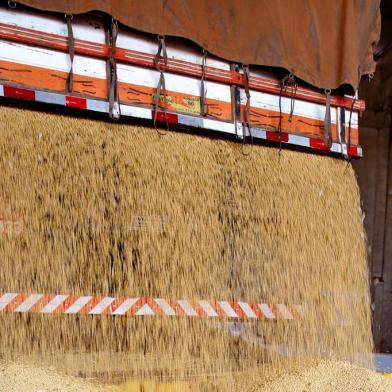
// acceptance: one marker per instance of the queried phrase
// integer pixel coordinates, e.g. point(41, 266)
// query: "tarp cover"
point(326, 43)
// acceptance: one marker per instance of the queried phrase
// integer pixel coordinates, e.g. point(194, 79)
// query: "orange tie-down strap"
point(145, 306)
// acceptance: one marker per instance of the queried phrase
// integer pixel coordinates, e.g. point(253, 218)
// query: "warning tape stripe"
point(187, 308)
point(102, 305)
point(173, 118)
point(246, 308)
point(227, 308)
point(122, 307)
point(143, 306)
point(53, 303)
point(28, 303)
point(6, 299)
point(267, 311)
point(15, 303)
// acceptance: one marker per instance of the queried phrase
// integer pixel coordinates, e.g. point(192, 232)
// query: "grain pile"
point(115, 209)
point(17, 377)
point(330, 377)
point(320, 377)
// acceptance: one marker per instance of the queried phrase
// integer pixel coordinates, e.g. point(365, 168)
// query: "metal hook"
point(161, 52)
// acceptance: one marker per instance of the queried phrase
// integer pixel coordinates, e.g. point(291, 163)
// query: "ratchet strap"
point(111, 70)
point(203, 91)
point(327, 120)
point(245, 69)
point(71, 51)
point(288, 82)
point(161, 53)
point(348, 142)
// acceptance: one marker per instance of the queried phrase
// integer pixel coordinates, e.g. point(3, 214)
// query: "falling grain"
point(118, 210)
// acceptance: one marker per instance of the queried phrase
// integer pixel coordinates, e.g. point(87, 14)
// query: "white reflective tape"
point(145, 310)
point(206, 306)
point(28, 303)
point(220, 126)
point(98, 106)
point(336, 147)
point(46, 97)
point(78, 304)
point(190, 121)
point(6, 298)
point(284, 311)
point(134, 111)
point(228, 309)
point(1, 90)
point(247, 309)
point(187, 308)
point(54, 304)
point(124, 307)
point(166, 308)
point(267, 311)
point(102, 305)
point(259, 133)
point(299, 140)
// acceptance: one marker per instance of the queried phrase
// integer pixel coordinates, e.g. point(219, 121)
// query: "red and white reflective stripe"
point(303, 141)
point(174, 118)
point(19, 93)
point(145, 306)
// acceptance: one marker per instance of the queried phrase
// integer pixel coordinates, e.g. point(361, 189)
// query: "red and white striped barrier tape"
point(145, 306)
point(96, 105)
